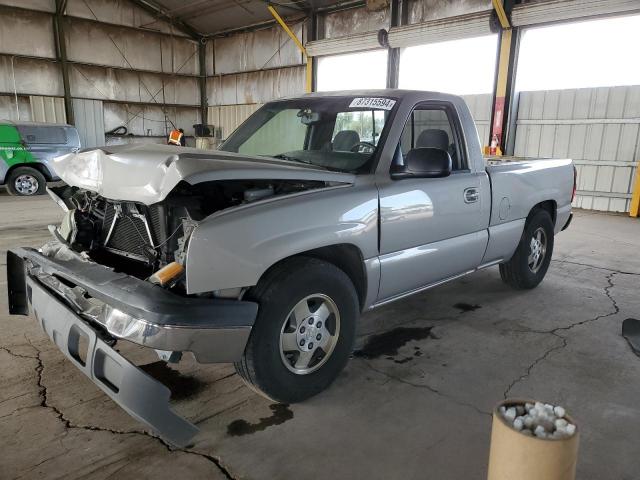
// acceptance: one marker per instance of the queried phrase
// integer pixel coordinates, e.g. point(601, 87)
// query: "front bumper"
point(214, 330)
point(67, 296)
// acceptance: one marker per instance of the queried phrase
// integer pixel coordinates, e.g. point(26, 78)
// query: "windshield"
point(337, 133)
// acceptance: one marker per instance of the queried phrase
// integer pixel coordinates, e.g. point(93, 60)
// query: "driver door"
point(432, 229)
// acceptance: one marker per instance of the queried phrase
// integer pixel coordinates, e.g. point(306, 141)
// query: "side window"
point(282, 133)
point(43, 135)
point(432, 127)
point(359, 126)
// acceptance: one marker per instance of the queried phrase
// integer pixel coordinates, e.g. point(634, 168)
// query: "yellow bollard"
point(515, 456)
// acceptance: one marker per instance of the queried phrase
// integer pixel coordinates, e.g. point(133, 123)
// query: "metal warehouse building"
point(128, 101)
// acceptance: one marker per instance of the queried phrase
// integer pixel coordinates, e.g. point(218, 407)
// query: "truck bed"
point(513, 193)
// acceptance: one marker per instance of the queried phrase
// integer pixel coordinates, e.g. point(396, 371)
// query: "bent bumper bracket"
point(140, 395)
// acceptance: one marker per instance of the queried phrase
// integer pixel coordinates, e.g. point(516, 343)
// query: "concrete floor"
point(413, 403)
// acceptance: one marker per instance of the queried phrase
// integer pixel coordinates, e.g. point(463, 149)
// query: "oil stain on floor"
point(466, 307)
point(281, 413)
point(181, 386)
point(388, 343)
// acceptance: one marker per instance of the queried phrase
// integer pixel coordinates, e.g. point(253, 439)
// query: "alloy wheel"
point(309, 334)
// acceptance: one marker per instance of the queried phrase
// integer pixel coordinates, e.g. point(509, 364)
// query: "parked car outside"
point(26, 150)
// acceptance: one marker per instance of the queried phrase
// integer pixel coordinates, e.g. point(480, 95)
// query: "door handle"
point(471, 195)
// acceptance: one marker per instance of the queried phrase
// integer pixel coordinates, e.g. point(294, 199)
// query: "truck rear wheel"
point(26, 181)
point(530, 262)
point(304, 332)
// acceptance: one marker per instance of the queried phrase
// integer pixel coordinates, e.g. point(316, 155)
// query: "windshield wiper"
point(282, 156)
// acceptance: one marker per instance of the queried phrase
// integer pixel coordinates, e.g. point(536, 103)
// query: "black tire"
point(517, 272)
point(35, 176)
point(262, 366)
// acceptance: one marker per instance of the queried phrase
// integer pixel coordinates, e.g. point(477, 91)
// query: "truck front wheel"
point(530, 262)
point(304, 332)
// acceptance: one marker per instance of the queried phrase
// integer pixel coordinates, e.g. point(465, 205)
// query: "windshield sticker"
point(371, 102)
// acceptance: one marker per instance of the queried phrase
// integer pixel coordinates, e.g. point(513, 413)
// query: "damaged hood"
point(147, 173)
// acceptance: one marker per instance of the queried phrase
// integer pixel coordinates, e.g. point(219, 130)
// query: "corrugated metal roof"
point(210, 17)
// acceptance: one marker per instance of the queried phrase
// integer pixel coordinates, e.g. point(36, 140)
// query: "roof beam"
point(297, 5)
point(161, 14)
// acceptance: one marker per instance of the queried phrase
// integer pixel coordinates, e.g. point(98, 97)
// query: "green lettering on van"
point(12, 149)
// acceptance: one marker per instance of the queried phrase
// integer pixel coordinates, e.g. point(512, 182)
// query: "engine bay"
point(139, 239)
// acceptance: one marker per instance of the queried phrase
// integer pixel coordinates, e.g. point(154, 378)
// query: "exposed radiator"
point(130, 229)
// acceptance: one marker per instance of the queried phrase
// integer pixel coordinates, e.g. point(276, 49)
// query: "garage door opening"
point(462, 67)
point(579, 55)
point(353, 71)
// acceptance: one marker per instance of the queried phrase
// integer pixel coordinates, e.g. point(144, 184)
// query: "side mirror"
point(424, 163)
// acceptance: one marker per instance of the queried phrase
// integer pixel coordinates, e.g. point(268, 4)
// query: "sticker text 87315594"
point(372, 102)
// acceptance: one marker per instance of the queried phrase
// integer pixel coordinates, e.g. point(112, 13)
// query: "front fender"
point(235, 247)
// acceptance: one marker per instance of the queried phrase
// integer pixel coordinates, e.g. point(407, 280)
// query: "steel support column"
point(504, 81)
point(312, 34)
point(61, 54)
point(202, 63)
point(393, 56)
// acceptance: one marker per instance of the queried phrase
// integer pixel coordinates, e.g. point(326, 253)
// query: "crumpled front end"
point(147, 174)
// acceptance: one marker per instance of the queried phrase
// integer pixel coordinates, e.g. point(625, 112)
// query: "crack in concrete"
point(536, 362)
point(621, 272)
point(14, 354)
point(425, 387)
point(44, 402)
point(564, 341)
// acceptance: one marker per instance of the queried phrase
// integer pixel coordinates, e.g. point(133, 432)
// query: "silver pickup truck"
point(265, 252)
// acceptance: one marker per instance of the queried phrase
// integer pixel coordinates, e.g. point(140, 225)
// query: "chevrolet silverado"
point(265, 252)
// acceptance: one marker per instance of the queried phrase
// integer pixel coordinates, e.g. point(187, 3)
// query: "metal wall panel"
point(15, 109)
point(30, 76)
point(47, 109)
point(435, 31)
point(255, 87)
point(107, 45)
point(118, 12)
point(124, 85)
point(150, 120)
point(352, 30)
point(426, 10)
point(24, 32)
point(534, 13)
point(355, 20)
point(89, 117)
point(344, 29)
point(268, 48)
point(41, 5)
point(480, 107)
point(229, 117)
point(599, 128)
